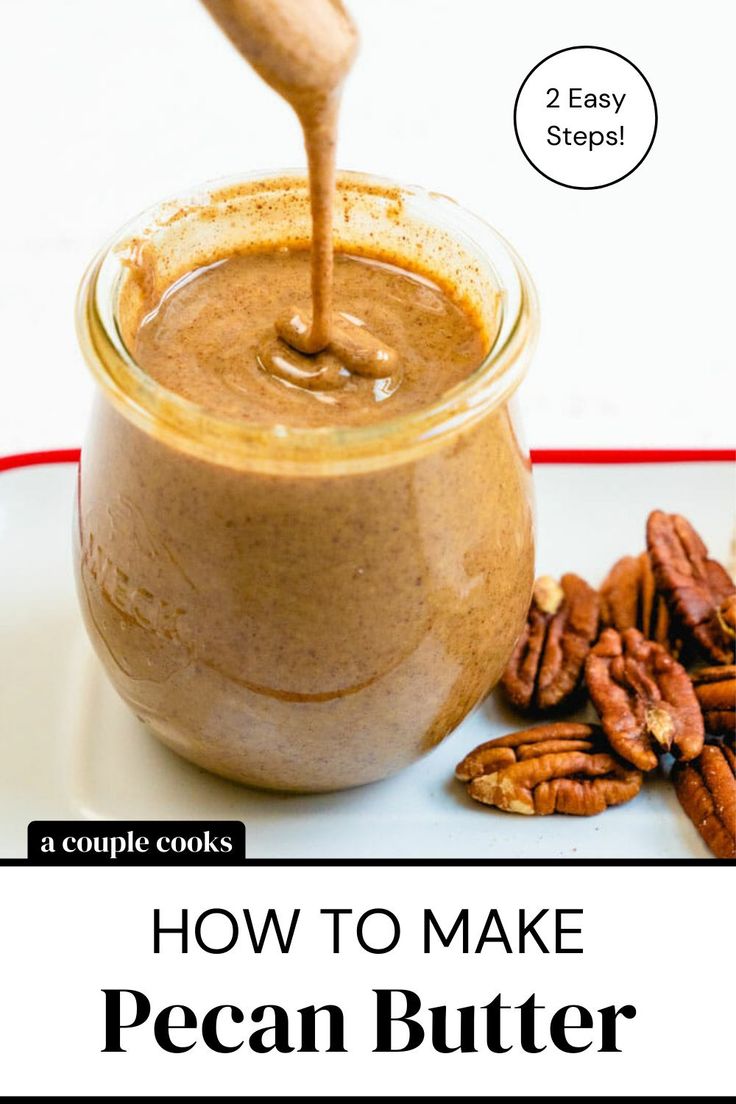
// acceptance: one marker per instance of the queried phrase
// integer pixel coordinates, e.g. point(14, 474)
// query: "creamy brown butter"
point(211, 339)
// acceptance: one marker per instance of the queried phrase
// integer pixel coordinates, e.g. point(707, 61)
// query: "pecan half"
point(707, 792)
point(546, 665)
point(715, 689)
point(552, 768)
point(644, 698)
point(629, 600)
point(699, 591)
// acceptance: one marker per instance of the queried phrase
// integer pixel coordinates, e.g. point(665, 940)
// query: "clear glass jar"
point(304, 609)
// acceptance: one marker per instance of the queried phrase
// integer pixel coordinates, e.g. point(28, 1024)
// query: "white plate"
point(70, 749)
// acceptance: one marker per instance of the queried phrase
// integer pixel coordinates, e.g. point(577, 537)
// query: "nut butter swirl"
point(304, 49)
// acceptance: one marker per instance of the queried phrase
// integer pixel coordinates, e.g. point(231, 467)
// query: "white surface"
point(113, 104)
point(69, 748)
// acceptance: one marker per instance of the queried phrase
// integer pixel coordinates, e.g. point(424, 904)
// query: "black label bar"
point(136, 842)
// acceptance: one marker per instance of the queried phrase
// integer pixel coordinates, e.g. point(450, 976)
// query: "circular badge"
point(585, 117)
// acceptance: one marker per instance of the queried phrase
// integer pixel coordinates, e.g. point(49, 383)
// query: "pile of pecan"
point(653, 650)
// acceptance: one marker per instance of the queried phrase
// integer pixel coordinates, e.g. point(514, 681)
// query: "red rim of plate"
point(538, 456)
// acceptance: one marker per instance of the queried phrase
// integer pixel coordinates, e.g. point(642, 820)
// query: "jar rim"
point(158, 410)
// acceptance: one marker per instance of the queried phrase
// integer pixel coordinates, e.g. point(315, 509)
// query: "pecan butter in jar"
point(304, 586)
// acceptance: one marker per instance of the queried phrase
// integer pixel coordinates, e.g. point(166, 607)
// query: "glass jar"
point(304, 609)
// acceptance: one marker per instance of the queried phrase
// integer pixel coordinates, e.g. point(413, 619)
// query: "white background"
point(646, 943)
point(109, 105)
